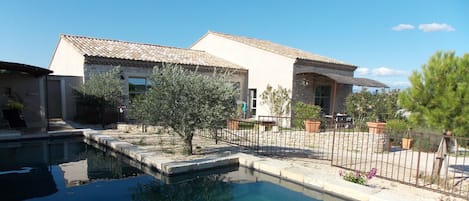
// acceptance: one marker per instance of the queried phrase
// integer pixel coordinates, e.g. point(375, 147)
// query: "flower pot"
point(14, 117)
point(376, 127)
point(407, 143)
point(390, 144)
point(232, 124)
point(312, 126)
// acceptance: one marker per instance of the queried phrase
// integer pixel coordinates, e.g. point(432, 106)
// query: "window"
point(322, 97)
point(252, 101)
point(137, 86)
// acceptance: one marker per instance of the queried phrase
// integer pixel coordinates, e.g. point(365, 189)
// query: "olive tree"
point(138, 110)
point(277, 100)
point(186, 100)
point(439, 94)
point(100, 93)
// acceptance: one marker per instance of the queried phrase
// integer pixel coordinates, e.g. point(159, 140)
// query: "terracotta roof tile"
point(107, 48)
point(279, 49)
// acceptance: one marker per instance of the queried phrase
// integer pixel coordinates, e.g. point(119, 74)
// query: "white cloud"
point(400, 84)
point(402, 27)
point(363, 71)
point(383, 71)
point(436, 27)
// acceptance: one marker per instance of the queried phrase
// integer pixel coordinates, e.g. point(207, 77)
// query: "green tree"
point(102, 92)
point(358, 106)
point(365, 106)
point(439, 95)
point(187, 100)
point(277, 100)
point(138, 110)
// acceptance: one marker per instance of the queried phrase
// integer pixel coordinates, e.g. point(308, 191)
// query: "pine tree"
point(439, 95)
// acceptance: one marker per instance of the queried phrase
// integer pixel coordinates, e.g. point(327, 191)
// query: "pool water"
point(69, 169)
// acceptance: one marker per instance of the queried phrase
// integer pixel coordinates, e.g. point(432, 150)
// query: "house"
point(77, 57)
point(312, 78)
point(23, 97)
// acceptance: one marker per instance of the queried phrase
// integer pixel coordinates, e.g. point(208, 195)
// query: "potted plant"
point(307, 116)
point(407, 141)
point(233, 124)
point(14, 114)
point(376, 127)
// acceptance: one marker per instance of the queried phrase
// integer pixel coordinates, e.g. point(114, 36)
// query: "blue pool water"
point(69, 169)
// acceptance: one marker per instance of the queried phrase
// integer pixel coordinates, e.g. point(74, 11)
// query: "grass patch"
point(168, 151)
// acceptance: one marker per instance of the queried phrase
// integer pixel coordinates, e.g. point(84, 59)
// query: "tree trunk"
point(188, 144)
point(440, 156)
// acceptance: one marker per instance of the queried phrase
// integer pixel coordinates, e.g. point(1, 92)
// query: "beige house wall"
point(264, 67)
point(30, 91)
point(67, 60)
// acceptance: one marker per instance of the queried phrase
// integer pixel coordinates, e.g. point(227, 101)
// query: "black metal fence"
point(408, 157)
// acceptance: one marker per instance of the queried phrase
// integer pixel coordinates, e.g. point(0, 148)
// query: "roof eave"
point(143, 63)
point(340, 66)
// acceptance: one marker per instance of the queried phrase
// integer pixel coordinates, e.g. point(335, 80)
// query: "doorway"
point(54, 99)
point(322, 98)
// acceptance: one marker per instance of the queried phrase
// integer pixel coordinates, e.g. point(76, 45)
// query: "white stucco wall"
point(264, 67)
point(67, 60)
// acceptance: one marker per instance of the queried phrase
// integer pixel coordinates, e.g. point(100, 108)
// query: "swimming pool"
point(69, 169)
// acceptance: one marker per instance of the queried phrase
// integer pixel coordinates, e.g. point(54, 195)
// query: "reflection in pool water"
point(69, 169)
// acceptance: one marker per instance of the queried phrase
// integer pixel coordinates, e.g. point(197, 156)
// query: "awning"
point(365, 82)
point(346, 79)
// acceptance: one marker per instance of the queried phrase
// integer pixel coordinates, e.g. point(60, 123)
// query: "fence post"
point(333, 145)
point(419, 149)
point(258, 135)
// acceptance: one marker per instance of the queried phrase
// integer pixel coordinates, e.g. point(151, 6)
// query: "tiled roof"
point(96, 47)
point(279, 49)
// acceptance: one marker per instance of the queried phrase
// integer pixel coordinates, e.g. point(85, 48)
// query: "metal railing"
point(406, 157)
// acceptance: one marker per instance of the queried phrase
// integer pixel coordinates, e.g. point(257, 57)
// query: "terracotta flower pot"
point(407, 143)
point(232, 124)
point(312, 126)
point(376, 127)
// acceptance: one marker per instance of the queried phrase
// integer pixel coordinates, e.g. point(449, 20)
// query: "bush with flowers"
point(358, 177)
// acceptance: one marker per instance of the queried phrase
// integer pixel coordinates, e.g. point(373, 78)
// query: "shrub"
point(358, 177)
point(305, 111)
point(99, 96)
point(397, 126)
point(277, 100)
point(15, 105)
point(365, 106)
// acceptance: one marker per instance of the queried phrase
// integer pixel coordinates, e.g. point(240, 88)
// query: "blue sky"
point(386, 39)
